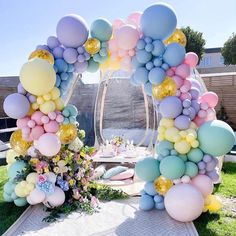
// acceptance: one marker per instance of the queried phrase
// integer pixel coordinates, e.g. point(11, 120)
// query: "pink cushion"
point(123, 175)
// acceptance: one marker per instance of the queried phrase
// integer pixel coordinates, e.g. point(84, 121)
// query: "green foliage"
point(229, 50)
point(195, 41)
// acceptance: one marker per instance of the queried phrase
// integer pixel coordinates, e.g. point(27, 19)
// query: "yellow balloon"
point(10, 156)
point(18, 144)
point(177, 37)
point(182, 147)
point(67, 133)
point(165, 89)
point(42, 54)
point(162, 185)
point(47, 107)
point(32, 177)
point(37, 76)
point(59, 104)
point(92, 46)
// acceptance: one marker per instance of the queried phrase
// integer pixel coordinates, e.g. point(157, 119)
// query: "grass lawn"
point(221, 224)
point(9, 212)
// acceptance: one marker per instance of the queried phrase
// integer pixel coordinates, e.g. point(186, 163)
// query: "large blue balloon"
point(156, 75)
point(216, 137)
point(158, 21)
point(101, 29)
point(174, 54)
point(72, 31)
point(141, 75)
point(15, 169)
point(146, 202)
point(147, 169)
point(150, 189)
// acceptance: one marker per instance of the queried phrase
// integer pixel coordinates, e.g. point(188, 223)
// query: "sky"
point(26, 23)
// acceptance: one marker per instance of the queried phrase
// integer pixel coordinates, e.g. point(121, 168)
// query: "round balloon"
point(158, 21)
point(171, 107)
point(178, 37)
point(42, 54)
point(72, 31)
point(184, 202)
point(147, 169)
point(56, 199)
point(204, 184)
point(16, 105)
point(37, 76)
point(146, 202)
point(216, 137)
point(92, 46)
point(162, 185)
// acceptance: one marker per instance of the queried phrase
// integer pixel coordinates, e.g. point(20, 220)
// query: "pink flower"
point(42, 178)
point(94, 201)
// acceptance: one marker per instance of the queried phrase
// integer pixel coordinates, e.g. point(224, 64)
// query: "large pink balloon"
point(127, 37)
point(117, 24)
point(210, 98)
point(134, 18)
point(191, 59)
point(48, 144)
point(184, 202)
point(204, 184)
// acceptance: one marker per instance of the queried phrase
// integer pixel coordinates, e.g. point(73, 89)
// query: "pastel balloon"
point(70, 55)
point(127, 37)
point(141, 75)
point(210, 98)
point(150, 189)
point(56, 199)
point(53, 42)
point(20, 202)
point(216, 137)
point(15, 168)
point(183, 71)
point(134, 18)
point(156, 75)
point(204, 184)
point(184, 202)
point(49, 144)
point(72, 31)
point(92, 66)
point(81, 67)
point(16, 105)
point(51, 127)
point(191, 169)
point(195, 155)
point(172, 167)
point(174, 54)
point(42, 54)
point(171, 107)
point(147, 169)
point(182, 122)
point(143, 56)
point(37, 76)
point(101, 29)
point(36, 132)
point(92, 46)
point(158, 21)
point(191, 58)
point(146, 202)
point(36, 196)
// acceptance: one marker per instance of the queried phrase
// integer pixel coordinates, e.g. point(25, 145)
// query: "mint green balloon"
point(191, 169)
point(183, 157)
point(7, 197)
point(216, 138)
point(195, 155)
point(172, 167)
point(14, 196)
point(9, 187)
point(20, 202)
point(147, 169)
point(15, 169)
point(92, 66)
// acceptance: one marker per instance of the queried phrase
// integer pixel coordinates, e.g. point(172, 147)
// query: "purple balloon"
point(186, 111)
point(53, 42)
point(58, 52)
point(201, 165)
point(81, 50)
point(20, 89)
point(81, 67)
point(207, 158)
point(72, 31)
point(202, 172)
point(210, 165)
point(70, 55)
point(186, 103)
point(195, 105)
point(182, 122)
point(195, 83)
point(171, 107)
point(213, 175)
point(44, 47)
point(193, 113)
point(81, 58)
point(194, 93)
point(16, 106)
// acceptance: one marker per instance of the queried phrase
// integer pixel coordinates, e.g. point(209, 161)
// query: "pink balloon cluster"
point(126, 35)
point(35, 126)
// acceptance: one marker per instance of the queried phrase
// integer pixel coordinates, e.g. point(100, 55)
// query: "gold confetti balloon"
point(166, 88)
point(67, 133)
point(92, 46)
point(177, 37)
point(162, 185)
point(42, 54)
point(18, 144)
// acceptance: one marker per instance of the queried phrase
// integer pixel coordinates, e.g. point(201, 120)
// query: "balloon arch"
point(151, 50)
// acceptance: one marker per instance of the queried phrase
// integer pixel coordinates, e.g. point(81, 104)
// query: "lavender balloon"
point(72, 31)
point(16, 106)
point(195, 105)
point(81, 67)
point(182, 122)
point(194, 93)
point(20, 89)
point(53, 42)
point(70, 55)
point(171, 107)
point(44, 47)
point(58, 52)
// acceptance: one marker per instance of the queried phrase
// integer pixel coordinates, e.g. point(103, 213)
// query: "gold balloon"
point(166, 88)
point(42, 54)
point(18, 144)
point(92, 46)
point(67, 133)
point(177, 37)
point(162, 185)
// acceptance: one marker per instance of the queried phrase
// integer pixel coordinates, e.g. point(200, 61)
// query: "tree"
point(229, 51)
point(195, 41)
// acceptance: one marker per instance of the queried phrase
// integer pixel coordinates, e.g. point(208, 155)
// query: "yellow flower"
point(82, 154)
point(71, 182)
point(46, 170)
point(56, 169)
point(56, 158)
point(34, 161)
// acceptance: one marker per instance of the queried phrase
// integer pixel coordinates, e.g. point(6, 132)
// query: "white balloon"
point(36, 196)
point(56, 199)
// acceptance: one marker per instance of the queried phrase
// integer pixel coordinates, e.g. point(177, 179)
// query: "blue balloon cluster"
point(165, 148)
point(150, 198)
point(70, 113)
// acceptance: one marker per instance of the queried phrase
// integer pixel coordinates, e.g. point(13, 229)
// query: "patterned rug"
point(120, 218)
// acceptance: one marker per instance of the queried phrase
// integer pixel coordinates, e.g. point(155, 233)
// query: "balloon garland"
point(179, 178)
